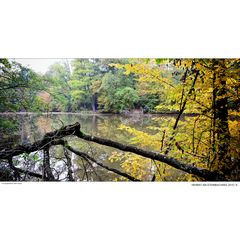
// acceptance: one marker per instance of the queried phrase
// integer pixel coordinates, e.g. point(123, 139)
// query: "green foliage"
point(149, 102)
point(209, 88)
point(85, 82)
point(126, 98)
point(57, 79)
point(7, 125)
point(96, 84)
point(18, 87)
point(117, 92)
point(93, 84)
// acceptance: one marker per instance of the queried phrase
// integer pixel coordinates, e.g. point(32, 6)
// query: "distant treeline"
point(103, 85)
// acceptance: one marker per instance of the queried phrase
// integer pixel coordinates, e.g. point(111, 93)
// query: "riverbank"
point(95, 113)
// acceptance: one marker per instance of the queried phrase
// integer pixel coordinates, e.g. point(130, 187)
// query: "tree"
point(117, 92)
point(18, 87)
point(85, 82)
point(55, 138)
point(57, 79)
point(91, 82)
point(200, 142)
point(206, 87)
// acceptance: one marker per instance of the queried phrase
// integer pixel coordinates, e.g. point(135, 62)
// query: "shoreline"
point(95, 114)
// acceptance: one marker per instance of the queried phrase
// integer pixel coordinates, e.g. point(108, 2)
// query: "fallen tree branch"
point(49, 139)
point(54, 138)
point(19, 170)
point(32, 174)
point(87, 157)
point(69, 165)
point(203, 173)
point(47, 172)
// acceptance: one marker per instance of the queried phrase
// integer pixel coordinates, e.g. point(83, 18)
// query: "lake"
point(32, 127)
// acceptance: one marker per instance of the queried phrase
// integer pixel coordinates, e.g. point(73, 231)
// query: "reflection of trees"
point(44, 124)
point(68, 165)
point(55, 138)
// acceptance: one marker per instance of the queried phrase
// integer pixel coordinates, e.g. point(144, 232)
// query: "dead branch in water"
point(55, 138)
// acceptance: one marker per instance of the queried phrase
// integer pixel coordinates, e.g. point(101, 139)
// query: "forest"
point(94, 119)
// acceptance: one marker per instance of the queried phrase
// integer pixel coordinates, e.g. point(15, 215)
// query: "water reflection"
point(32, 127)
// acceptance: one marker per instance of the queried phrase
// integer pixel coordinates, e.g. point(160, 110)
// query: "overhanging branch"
point(203, 173)
point(54, 138)
point(87, 157)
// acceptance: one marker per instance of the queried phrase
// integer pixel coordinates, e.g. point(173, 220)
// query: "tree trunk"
point(47, 172)
point(222, 161)
point(94, 102)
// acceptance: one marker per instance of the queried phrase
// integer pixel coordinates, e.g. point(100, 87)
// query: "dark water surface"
point(32, 127)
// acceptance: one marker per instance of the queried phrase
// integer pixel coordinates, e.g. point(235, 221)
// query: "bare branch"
point(47, 172)
point(19, 170)
point(54, 138)
point(203, 173)
point(69, 165)
point(87, 157)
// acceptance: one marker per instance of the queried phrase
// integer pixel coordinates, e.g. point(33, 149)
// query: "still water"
point(32, 127)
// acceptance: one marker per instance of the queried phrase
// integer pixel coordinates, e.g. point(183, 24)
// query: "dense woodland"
point(203, 146)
